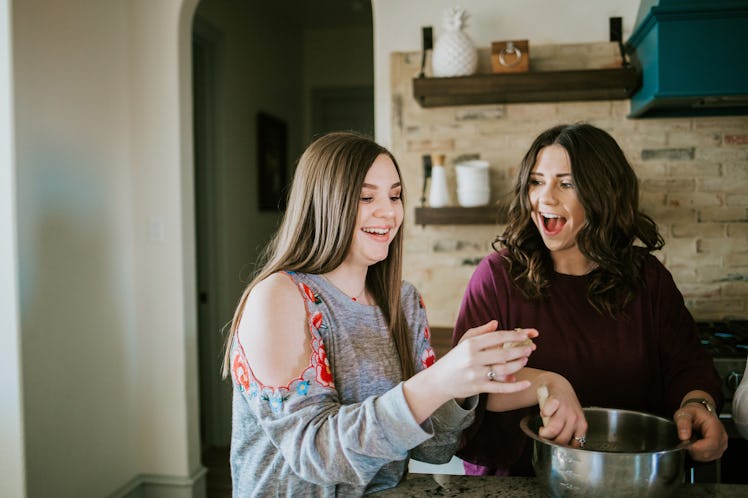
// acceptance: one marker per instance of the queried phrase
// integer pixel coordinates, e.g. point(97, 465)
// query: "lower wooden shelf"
point(484, 215)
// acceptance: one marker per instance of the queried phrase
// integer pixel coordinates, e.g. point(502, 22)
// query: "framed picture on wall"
point(272, 137)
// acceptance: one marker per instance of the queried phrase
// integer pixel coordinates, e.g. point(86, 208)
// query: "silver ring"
point(491, 374)
point(580, 439)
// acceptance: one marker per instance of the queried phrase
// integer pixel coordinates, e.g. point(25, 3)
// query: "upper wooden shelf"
point(540, 86)
point(484, 215)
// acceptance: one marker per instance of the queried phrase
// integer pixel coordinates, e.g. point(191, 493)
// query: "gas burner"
point(727, 339)
point(727, 342)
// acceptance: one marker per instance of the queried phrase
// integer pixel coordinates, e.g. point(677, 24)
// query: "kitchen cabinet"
point(540, 86)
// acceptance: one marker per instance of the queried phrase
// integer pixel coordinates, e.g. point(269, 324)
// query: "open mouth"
point(553, 223)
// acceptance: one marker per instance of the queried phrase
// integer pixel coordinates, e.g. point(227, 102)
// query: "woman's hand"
point(566, 424)
point(467, 369)
point(480, 352)
point(692, 418)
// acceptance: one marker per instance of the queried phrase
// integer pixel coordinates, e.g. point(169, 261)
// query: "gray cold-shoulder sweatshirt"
point(342, 427)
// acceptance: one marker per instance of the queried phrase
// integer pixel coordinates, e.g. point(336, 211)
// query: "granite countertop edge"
point(444, 485)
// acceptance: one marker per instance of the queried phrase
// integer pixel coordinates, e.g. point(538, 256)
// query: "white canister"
point(438, 193)
point(473, 184)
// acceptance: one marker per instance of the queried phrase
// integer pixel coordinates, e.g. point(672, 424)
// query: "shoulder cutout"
point(273, 331)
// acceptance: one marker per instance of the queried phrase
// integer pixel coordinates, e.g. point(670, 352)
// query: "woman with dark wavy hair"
point(335, 382)
point(614, 331)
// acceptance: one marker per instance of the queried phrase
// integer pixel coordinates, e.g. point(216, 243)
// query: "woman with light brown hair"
point(336, 384)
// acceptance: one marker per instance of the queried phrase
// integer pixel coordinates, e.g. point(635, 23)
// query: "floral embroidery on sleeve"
point(319, 353)
point(322, 366)
point(276, 397)
point(318, 369)
point(240, 370)
point(243, 377)
point(309, 294)
point(245, 381)
point(428, 357)
point(303, 387)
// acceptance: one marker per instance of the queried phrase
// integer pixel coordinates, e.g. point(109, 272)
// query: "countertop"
point(423, 485)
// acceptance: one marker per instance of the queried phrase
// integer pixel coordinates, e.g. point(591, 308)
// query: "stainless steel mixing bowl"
point(627, 453)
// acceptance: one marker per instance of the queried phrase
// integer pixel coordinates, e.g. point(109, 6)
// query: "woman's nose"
point(546, 194)
point(385, 213)
point(384, 209)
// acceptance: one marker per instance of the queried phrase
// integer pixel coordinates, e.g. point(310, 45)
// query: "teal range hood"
point(693, 56)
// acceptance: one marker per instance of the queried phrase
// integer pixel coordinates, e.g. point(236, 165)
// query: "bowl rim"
point(682, 446)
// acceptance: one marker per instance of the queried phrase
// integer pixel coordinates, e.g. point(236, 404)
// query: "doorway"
point(214, 416)
point(343, 108)
point(251, 58)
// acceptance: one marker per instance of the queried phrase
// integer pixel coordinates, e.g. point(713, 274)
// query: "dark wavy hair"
point(614, 229)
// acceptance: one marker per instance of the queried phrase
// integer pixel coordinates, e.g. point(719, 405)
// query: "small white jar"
point(438, 193)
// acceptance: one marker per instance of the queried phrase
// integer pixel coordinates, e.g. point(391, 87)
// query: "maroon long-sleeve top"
point(647, 361)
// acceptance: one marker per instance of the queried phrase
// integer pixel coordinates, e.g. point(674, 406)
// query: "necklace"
point(356, 298)
point(360, 294)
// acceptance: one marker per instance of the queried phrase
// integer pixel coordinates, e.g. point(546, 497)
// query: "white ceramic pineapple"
point(454, 53)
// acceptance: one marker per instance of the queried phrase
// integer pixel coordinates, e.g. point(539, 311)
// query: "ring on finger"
point(491, 374)
point(581, 440)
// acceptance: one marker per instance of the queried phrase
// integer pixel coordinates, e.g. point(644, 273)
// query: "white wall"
point(103, 149)
point(159, 165)
point(397, 28)
point(75, 245)
point(13, 469)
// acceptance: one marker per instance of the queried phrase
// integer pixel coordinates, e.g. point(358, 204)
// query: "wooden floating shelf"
point(484, 215)
point(540, 86)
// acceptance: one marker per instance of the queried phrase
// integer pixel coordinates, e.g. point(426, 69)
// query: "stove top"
point(726, 339)
point(727, 342)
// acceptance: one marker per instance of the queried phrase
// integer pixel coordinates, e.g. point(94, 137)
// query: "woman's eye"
point(534, 181)
point(567, 185)
point(366, 198)
point(395, 198)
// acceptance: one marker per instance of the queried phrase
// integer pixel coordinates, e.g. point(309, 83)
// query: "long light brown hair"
point(317, 230)
point(614, 228)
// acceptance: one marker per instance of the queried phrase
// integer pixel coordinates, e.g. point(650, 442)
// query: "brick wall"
point(693, 174)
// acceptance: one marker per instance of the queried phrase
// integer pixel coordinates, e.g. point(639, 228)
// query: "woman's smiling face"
point(380, 213)
point(556, 209)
